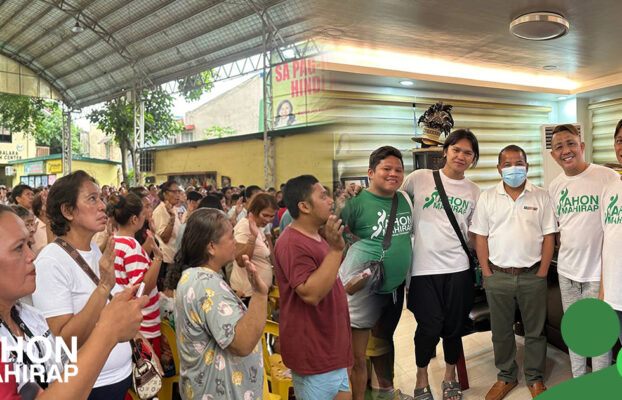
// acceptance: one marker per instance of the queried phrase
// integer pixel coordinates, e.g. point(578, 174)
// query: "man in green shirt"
point(365, 218)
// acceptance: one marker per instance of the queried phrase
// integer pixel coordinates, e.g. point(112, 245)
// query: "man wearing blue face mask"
point(515, 211)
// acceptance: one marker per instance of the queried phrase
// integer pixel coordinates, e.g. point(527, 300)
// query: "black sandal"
point(424, 393)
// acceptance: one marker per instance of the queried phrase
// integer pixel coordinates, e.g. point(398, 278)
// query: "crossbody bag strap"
point(386, 241)
point(65, 245)
point(73, 253)
point(450, 215)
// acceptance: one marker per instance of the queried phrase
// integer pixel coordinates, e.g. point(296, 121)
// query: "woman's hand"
point(169, 208)
point(258, 285)
point(239, 206)
point(107, 278)
point(111, 227)
point(252, 224)
point(151, 246)
point(151, 224)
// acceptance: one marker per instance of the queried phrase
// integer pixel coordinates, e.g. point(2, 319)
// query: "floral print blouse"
point(206, 312)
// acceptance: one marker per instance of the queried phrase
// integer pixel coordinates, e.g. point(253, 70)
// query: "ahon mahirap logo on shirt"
point(573, 204)
point(403, 224)
point(458, 205)
point(613, 216)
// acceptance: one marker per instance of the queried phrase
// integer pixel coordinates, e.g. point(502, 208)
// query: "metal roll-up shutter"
point(369, 120)
point(605, 117)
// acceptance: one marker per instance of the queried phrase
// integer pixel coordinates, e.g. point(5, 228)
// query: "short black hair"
point(235, 197)
point(210, 201)
point(512, 147)
point(296, 190)
point(18, 191)
point(618, 127)
point(251, 190)
point(457, 136)
point(194, 196)
point(381, 153)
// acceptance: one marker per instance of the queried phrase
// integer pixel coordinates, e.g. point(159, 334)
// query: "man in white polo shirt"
point(576, 196)
point(515, 236)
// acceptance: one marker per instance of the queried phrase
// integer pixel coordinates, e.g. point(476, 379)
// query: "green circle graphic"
point(590, 327)
point(619, 363)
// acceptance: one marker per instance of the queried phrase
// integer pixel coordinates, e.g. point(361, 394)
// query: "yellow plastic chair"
point(266, 392)
point(166, 393)
point(274, 368)
point(273, 300)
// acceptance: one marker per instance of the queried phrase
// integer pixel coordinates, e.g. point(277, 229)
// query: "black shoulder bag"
point(473, 263)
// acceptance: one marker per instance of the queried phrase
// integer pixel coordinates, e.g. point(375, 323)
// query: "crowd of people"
point(208, 259)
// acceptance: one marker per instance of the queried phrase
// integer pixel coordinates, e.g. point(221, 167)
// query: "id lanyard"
point(27, 333)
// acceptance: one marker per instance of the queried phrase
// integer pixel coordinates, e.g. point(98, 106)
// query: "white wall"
point(237, 108)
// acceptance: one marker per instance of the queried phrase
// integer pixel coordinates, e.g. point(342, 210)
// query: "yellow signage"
point(54, 166)
point(297, 89)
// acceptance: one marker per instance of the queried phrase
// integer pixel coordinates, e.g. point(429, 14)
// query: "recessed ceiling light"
point(539, 26)
point(562, 98)
point(407, 83)
point(550, 67)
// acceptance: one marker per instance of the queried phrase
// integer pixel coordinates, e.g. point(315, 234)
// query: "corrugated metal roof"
point(145, 40)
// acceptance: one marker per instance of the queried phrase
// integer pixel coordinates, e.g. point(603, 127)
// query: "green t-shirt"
point(365, 216)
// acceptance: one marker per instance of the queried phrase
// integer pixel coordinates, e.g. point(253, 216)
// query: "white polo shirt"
point(611, 214)
point(515, 229)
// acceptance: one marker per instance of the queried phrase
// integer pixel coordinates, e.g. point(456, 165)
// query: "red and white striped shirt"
point(131, 264)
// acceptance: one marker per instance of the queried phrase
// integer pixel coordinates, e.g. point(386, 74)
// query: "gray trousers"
point(503, 292)
point(573, 291)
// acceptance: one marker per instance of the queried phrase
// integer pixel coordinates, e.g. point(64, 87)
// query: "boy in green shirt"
point(365, 218)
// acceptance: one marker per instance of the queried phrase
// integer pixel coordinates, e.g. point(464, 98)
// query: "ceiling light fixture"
point(407, 83)
point(540, 26)
point(77, 28)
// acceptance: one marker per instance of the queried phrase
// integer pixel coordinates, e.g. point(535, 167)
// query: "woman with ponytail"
point(132, 263)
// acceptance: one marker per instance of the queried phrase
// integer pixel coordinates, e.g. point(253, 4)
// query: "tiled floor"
point(480, 363)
